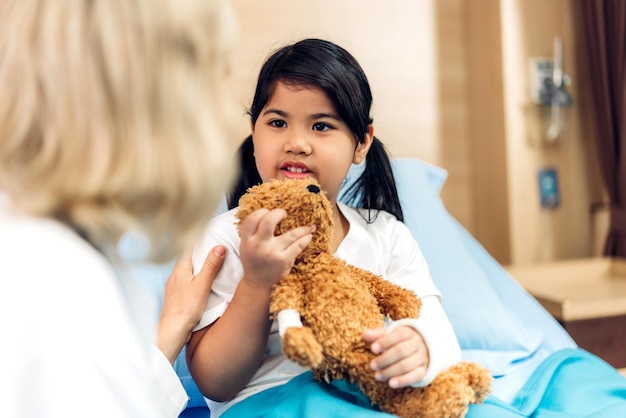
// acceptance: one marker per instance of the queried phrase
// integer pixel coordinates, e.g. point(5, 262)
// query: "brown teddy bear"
point(337, 301)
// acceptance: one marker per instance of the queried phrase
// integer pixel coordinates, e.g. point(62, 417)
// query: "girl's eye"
point(278, 123)
point(320, 126)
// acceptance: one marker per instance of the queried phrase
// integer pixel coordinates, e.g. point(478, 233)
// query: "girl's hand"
point(267, 258)
point(402, 355)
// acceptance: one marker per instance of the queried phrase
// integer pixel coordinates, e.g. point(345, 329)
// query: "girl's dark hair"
point(330, 68)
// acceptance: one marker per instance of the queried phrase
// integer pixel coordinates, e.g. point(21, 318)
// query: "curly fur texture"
point(337, 301)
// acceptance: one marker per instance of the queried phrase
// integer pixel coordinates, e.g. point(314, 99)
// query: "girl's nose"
point(297, 143)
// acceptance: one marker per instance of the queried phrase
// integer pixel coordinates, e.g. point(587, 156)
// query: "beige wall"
point(450, 84)
point(566, 232)
point(393, 41)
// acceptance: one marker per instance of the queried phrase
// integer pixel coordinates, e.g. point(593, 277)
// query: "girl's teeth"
point(296, 170)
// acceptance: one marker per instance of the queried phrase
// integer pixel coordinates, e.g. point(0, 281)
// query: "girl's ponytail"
point(248, 174)
point(376, 187)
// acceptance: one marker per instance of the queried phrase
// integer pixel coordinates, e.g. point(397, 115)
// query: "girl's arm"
point(411, 352)
point(224, 356)
point(415, 353)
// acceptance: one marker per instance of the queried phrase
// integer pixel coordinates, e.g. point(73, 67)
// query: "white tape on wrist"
point(288, 318)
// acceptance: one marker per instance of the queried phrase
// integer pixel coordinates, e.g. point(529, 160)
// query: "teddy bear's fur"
point(338, 301)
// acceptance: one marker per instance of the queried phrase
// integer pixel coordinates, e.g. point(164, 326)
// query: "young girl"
point(109, 122)
point(310, 116)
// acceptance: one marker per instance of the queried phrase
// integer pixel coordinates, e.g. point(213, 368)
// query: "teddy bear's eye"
point(313, 188)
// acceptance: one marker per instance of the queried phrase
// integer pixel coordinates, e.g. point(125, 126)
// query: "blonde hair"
point(110, 116)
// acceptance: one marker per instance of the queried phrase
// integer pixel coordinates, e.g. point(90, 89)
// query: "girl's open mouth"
point(296, 171)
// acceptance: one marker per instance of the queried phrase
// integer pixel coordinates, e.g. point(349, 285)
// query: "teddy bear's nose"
point(313, 188)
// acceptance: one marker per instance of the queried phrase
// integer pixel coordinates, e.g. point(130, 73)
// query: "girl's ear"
point(363, 147)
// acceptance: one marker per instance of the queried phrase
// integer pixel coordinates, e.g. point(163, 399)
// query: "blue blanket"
point(570, 383)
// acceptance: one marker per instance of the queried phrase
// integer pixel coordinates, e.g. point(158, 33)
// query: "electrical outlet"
point(549, 188)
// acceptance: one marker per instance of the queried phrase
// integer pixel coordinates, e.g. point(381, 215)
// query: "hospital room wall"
point(450, 83)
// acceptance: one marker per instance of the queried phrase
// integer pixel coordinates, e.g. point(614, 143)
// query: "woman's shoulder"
point(49, 263)
point(44, 241)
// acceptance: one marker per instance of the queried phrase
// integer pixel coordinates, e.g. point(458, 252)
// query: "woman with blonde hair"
point(110, 126)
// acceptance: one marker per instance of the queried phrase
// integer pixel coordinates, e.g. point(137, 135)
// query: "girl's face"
point(299, 134)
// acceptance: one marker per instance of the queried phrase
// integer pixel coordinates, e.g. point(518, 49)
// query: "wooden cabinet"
point(588, 297)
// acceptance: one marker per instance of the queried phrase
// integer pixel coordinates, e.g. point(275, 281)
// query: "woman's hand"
point(184, 300)
point(402, 355)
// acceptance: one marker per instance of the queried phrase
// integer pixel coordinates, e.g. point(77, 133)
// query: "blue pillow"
point(480, 319)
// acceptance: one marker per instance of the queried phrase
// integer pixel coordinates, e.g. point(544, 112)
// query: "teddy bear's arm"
point(393, 300)
point(299, 343)
point(287, 294)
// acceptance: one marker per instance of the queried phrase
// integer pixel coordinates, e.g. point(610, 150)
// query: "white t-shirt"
point(384, 247)
point(77, 339)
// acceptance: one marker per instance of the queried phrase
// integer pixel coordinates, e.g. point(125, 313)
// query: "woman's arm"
point(184, 299)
